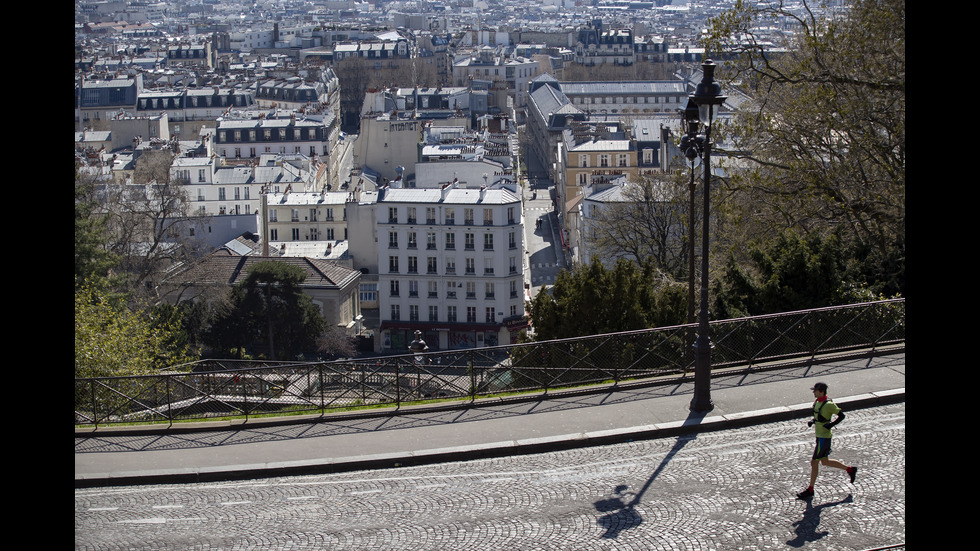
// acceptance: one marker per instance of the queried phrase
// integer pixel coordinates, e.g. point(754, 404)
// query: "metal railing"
point(217, 389)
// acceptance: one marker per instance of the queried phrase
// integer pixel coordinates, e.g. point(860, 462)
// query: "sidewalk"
point(409, 436)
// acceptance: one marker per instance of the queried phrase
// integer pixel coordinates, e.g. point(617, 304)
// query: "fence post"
point(170, 399)
point(472, 372)
point(244, 397)
point(95, 404)
point(398, 387)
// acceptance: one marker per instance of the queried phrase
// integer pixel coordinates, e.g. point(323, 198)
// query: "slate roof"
point(229, 270)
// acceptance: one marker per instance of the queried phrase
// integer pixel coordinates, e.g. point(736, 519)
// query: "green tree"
point(113, 339)
point(594, 299)
point(824, 130)
point(797, 271)
point(93, 260)
point(269, 308)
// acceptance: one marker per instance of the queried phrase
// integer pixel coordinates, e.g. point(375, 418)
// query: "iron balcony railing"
point(213, 389)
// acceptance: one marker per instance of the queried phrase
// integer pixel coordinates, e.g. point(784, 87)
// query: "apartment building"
point(450, 265)
point(508, 75)
point(306, 216)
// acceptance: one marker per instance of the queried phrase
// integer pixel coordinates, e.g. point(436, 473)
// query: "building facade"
point(450, 265)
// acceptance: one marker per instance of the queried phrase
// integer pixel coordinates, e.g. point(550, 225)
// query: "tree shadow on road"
point(620, 509)
point(806, 527)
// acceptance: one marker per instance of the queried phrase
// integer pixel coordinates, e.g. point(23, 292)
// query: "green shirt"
point(824, 412)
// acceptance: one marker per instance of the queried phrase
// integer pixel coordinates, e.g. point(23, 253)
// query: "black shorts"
point(821, 449)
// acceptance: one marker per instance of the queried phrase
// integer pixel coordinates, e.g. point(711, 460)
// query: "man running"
point(824, 410)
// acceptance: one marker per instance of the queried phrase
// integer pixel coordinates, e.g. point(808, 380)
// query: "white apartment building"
point(449, 265)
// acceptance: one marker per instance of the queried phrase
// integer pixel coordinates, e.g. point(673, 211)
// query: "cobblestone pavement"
point(726, 490)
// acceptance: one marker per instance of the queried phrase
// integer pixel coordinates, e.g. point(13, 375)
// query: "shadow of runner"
point(806, 527)
point(621, 514)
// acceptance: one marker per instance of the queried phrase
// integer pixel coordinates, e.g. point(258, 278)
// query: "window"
point(450, 216)
point(273, 234)
point(468, 217)
point(313, 214)
point(512, 240)
point(451, 313)
point(430, 215)
point(487, 217)
point(412, 241)
point(487, 266)
point(488, 291)
point(413, 312)
point(413, 264)
point(433, 289)
point(431, 265)
point(430, 241)
point(450, 266)
point(471, 313)
point(396, 312)
point(393, 264)
point(393, 215)
point(221, 194)
point(491, 315)
point(413, 288)
point(622, 160)
point(488, 242)
point(392, 240)
point(513, 265)
point(470, 289)
point(433, 313)
point(470, 242)
point(369, 292)
point(450, 289)
point(393, 289)
point(295, 234)
point(513, 288)
point(411, 215)
point(470, 266)
point(273, 215)
point(450, 241)
point(510, 216)
point(295, 215)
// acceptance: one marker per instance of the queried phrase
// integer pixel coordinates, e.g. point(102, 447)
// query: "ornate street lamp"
point(708, 98)
point(692, 144)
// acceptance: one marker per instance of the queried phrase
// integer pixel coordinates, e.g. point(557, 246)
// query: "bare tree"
point(646, 223)
point(147, 226)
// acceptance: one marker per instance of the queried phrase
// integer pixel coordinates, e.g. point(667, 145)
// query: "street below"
point(731, 489)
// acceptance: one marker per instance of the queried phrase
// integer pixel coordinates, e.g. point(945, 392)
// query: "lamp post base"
point(702, 405)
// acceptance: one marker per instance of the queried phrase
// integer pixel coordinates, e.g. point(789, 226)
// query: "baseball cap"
point(822, 387)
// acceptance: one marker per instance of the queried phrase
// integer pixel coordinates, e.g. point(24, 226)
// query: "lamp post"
point(692, 144)
point(708, 97)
